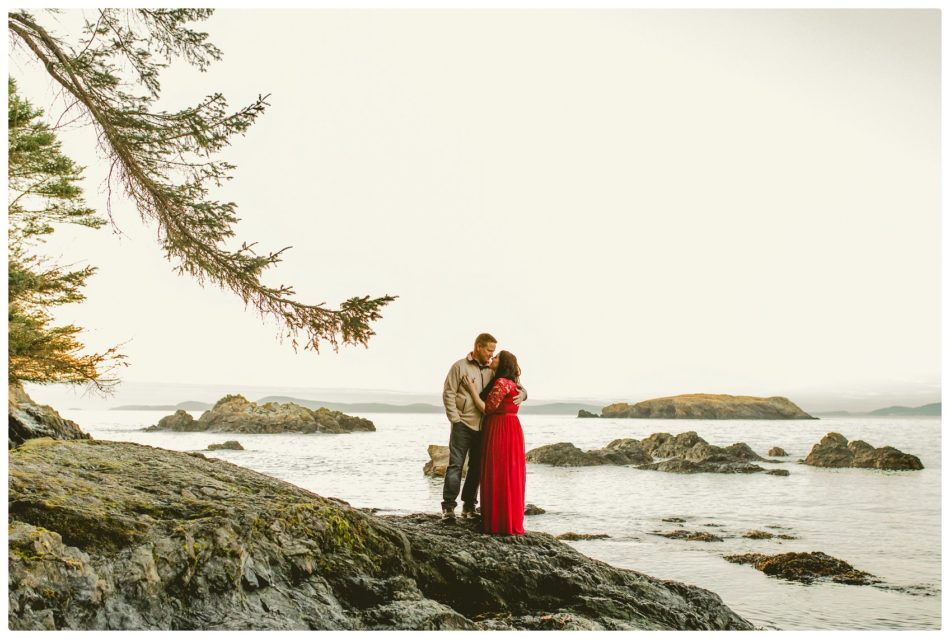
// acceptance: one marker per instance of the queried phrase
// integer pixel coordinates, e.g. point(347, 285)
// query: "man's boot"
point(468, 511)
point(448, 514)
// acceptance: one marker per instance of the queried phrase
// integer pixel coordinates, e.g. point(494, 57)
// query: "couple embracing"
point(481, 395)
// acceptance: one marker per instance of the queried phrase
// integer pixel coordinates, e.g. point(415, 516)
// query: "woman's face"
point(493, 365)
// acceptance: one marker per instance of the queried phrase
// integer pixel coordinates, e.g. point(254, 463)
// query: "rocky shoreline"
point(110, 535)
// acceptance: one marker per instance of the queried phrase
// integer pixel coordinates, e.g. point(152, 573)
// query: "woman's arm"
point(469, 384)
point(502, 388)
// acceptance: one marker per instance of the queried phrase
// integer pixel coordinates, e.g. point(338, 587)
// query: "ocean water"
point(884, 523)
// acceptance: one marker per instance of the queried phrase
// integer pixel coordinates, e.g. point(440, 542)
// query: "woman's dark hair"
point(507, 368)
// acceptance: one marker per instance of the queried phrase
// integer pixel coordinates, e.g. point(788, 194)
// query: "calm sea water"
point(885, 523)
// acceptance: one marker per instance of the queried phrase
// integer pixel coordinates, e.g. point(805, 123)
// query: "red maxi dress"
point(503, 463)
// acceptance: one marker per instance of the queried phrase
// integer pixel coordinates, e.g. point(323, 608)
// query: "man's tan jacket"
point(459, 405)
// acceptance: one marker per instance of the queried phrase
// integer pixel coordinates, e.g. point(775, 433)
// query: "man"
point(466, 436)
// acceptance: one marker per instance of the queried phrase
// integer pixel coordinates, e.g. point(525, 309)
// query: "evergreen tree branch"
point(192, 229)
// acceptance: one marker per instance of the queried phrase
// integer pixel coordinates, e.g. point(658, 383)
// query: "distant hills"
point(530, 408)
point(931, 410)
point(181, 406)
point(551, 408)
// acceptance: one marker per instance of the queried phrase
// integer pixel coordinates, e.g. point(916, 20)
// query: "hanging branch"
point(164, 163)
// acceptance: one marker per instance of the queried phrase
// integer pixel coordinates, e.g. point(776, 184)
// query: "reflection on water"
point(885, 523)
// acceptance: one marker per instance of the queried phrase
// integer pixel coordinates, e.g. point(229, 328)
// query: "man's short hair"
point(485, 338)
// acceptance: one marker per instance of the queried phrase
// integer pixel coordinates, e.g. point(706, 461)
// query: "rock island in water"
point(235, 414)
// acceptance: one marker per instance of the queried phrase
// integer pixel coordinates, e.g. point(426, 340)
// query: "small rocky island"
point(119, 536)
point(834, 451)
point(235, 414)
point(703, 406)
point(684, 453)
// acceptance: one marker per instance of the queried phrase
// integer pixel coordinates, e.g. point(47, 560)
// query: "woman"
point(503, 463)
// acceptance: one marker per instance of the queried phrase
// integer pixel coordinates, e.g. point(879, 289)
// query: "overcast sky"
point(636, 203)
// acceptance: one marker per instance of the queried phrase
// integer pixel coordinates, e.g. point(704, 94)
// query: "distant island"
point(181, 406)
point(929, 410)
point(550, 408)
point(656, 409)
point(705, 406)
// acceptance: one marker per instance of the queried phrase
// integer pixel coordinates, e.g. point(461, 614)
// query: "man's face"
point(484, 353)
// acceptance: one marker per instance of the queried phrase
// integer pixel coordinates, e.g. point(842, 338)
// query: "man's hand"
point(521, 396)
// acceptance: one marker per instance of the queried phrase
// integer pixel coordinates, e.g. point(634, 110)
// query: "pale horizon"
point(162, 393)
point(636, 203)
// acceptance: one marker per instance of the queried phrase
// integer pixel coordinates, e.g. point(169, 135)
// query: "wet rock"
point(623, 452)
point(561, 454)
point(831, 452)
point(690, 535)
point(531, 510)
point(742, 450)
point(757, 534)
point(779, 472)
point(181, 422)
point(775, 451)
point(29, 420)
point(439, 461)
point(666, 445)
point(573, 536)
point(834, 451)
point(805, 567)
point(586, 414)
point(620, 452)
point(113, 535)
point(685, 466)
point(690, 453)
point(686, 453)
point(674, 520)
point(228, 445)
point(705, 406)
point(235, 414)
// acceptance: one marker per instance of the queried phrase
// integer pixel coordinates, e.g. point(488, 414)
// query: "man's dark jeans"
point(463, 441)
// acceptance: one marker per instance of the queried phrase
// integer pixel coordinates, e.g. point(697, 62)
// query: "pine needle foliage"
point(44, 191)
point(165, 161)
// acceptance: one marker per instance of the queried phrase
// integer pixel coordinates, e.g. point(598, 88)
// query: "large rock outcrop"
point(620, 452)
point(683, 453)
point(703, 406)
point(110, 535)
point(29, 420)
point(235, 414)
point(834, 451)
point(689, 453)
point(180, 422)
